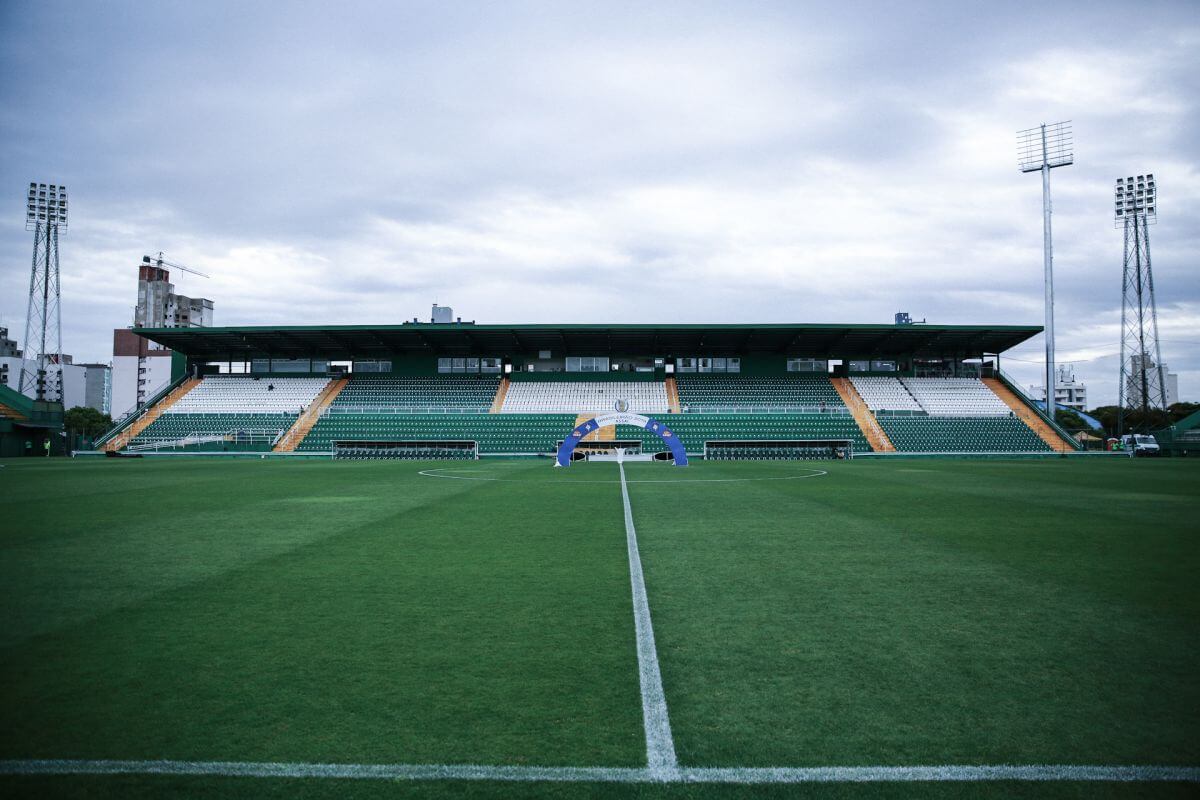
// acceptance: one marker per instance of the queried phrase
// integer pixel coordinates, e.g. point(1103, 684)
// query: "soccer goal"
point(778, 450)
point(452, 449)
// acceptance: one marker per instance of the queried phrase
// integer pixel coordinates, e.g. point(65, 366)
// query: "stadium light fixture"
point(1041, 149)
point(46, 204)
point(1135, 197)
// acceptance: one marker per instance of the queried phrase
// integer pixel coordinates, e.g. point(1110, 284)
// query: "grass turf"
point(911, 612)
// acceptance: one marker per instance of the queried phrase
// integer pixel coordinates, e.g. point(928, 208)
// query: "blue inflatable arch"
point(568, 446)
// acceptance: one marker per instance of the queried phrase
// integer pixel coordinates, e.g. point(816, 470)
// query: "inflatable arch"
point(620, 418)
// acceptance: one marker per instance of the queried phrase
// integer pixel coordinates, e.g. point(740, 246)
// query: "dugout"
point(34, 421)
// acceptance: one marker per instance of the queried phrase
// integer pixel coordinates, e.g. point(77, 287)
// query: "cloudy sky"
point(605, 162)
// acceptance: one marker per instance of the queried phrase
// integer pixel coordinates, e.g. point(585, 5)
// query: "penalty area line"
point(729, 775)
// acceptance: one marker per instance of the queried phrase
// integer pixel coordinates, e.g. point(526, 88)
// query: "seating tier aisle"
point(244, 394)
point(697, 391)
point(955, 397)
point(461, 392)
point(958, 434)
point(545, 397)
point(885, 393)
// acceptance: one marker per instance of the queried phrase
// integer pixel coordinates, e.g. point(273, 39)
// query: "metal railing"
point(1015, 388)
point(134, 414)
point(140, 443)
point(394, 409)
point(838, 410)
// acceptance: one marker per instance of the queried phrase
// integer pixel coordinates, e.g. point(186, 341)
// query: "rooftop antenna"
point(1135, 208)
point(45, 214)
point(1041, 149)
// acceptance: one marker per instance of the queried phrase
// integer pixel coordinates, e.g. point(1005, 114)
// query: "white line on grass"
point(481, 475)
point(480, 772)
point(660, 746)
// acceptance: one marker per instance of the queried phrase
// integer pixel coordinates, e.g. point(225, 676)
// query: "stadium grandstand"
point(454, 390)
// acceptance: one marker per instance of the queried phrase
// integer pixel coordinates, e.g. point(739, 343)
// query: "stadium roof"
point(363, 342)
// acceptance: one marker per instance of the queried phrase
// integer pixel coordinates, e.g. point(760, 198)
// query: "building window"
point(807, 365)
point(587, 364)
point(883, 366)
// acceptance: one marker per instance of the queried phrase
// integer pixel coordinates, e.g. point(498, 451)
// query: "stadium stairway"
point(141, 423)
point(672, 394)
point(501, 393)
point(878, 440)
point(304, 423)
point(11, 413)
point(1027, 415)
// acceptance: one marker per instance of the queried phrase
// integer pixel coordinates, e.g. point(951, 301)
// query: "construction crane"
point(161, 262)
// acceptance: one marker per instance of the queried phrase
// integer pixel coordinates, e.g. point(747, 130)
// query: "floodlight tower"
point(45, 213)
point(1135, 208)
point(1041, 149)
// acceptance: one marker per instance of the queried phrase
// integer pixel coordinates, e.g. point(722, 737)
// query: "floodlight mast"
point(1135, 208)
point(1041, 149)
point(45, 213)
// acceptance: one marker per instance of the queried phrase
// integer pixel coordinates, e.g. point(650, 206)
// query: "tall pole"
point(1122, 389)
point(1041, 149)
point(43, 373)
point(1048, 257)
point(1141, 315)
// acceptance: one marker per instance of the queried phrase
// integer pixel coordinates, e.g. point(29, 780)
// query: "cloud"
point(539, 163)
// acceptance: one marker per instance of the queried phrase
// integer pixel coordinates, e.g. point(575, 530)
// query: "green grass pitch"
point(913, 612)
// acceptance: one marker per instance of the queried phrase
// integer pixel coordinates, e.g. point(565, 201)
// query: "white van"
point(1140, 444)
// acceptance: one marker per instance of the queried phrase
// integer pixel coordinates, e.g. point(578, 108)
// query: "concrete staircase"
point(1030, 417)
point(501, 393)
point(305, 422)
point(10, 413)
point(878, 440)
point(672, 394)
point(149, 415)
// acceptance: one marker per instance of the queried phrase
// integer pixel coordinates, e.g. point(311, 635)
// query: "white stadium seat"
point(240, 394)
point(576, 397)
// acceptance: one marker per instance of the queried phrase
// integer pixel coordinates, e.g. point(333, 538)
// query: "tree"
point(1070, 420)
point(86, 421)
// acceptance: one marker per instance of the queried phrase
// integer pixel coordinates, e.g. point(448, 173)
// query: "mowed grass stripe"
point(161, 526)
point(479, 625)
point(927, 614)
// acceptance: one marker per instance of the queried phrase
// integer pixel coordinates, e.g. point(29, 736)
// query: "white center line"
point(660, 745)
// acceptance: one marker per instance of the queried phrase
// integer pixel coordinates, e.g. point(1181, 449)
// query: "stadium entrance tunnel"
point(565, 451)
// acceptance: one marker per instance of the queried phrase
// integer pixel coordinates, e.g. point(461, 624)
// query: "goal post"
point(778, 449)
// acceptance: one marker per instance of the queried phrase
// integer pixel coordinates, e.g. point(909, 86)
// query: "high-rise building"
point(1068, 391)
point(140, 367)
point(1134, 382)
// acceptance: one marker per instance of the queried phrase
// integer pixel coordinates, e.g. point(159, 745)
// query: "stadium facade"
point(462, 389)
